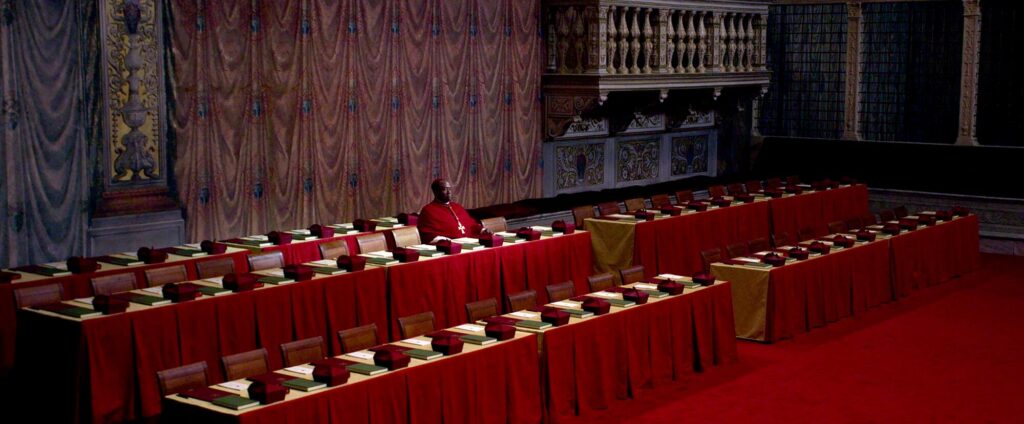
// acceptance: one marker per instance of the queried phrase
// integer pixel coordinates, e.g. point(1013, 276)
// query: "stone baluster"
point(634, 42)
point(612, 39)
point(579, 39)
point(595, 40)
point(672, 41)
point(762, 43)
point(665, 44)
point(623, 41)
point(741, 43)
point(702, 42)
point(563, 39)
point(750, 44)
point(729, 20)
point(691, 44)
point(648, 44)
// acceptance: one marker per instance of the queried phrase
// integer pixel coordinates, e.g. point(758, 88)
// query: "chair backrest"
point(836, 227)
point(560, 291)
point(333, 249)
point(782, 239)
point(581, 213)
point(659, 201)
point(636, 204)
point(27, 297)
point(753, 186)
point(481, 309)
point(736, 250)
point(416, 325)
point(886, 215)
point(526, 299)
point(245, 364)
point(110, 284)
point(869, 219)
point(774, 182)
point(215, 267)
point(371, 243)
point(358, 338)
point(900, 211)
point(854, 224)
point(494, 224)
point(632, 274)
point(684, 196)
point(601, 281)
point(806, 233)
point(716, 191)
point(759, 245)
point(180, 379)
point(608, 208)
point(406, 236)
point(710, 256)
point(268, 260)
point(302, 351)
point(168, 274)
point(735, 188)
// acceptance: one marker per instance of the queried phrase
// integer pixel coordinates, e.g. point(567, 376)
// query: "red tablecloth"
point(78, 286)
point(307, 251)
point(931, 255)
point(817, 209)
point(493, 385)
point(104, 369)
point(591, 364)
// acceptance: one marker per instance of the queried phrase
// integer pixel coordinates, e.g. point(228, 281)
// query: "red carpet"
point(949, 353)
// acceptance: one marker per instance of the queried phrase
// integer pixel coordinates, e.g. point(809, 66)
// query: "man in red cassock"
point(444, 219)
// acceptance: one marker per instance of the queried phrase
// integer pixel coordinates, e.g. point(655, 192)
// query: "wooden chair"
point(268, 260)
point(608, 208)
point(709, 257)
point(358, 338)
point(180, 379)
point(405, 236)
point(28, 297)
point(302, 351)
point(782, 239)
point(869, 219)
point(495, 224)
point(215, 267)
point(169, 274)
point(245, 364)
point(526, 299)
point(633, 205)
point(736, 250)
point(659, 201)
point(481, 309)
point(684, 196)
point(416, 325)
point(110, 284)
point(333, 249)
point(836, 227)
point(759, 245)
point(560, 291)
point(601, 281)
point(753, 186)
point(774, 182)
point(900, 212)
point(580, 213)
point(854, 224)
point(735, 188)
point(806, 233)
point(886, 215)
point(632, 274)
point(716, 191)
point(371, 243)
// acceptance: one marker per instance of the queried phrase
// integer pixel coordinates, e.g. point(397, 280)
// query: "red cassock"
point(439, 219)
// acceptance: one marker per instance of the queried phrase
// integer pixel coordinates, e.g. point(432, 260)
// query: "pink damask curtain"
point(287, 113)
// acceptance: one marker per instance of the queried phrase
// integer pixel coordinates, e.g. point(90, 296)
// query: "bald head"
point(442, 190)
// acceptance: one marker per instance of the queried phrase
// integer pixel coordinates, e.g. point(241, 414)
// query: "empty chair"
point(869, 219)
point(110, 284)
point(180, 379)
point(886, 215)
point(759, 245)
point(169, 274)
point(268, 260)
point(374, 242)
point(580, 213)
point(215, 267)
point(709, 257)
point(416, 325)
point(495, 224)
point(608, 208)
point(358, 338)
point(632, 274)
point(245, 364)
point(633, 205)
point(601, 281)
point(735, 188)
point(560, 291)
point(302, 351)
point(481, 309)
point(333, 249)
point(684, 196)
point(716, 191)
point(900, 212)
point(836, 227)
point(736, 250)
point(405, 236)
point(753, 186)
point(782, 239)
point(853, 224)
point(28, 297)
point(806, 233)
point(659, 201)
point(526, 299)
point(774, 182)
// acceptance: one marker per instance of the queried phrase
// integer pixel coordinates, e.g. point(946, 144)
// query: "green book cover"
point(425, 355)
point(77, 312)
point(758, 264)
point(235, 402)
point(149, 300)
point(578, 313)
point(213, 291)
point(255, 243)
point(430, 253)
point(477, 340)
point(536, 325)
point(689, 284)
point(328, 270)
point(471, 246)
point(275, 280)
point(655, 293)
point(303, 385)
point(120, 261)
point(189, 253)
point(621, 303)
point(300, 237)
point(381, 261)
point(366, 369)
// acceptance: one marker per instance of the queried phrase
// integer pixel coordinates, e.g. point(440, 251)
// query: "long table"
point(816, 209)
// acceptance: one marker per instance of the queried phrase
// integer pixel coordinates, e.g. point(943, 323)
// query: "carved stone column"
point(851, 130)
point(969, 74)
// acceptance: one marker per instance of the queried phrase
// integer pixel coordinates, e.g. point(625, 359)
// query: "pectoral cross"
point(462, 228)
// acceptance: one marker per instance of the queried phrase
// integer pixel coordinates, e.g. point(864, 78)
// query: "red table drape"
point(816, 209)
point(308, 251)
point(931, 255)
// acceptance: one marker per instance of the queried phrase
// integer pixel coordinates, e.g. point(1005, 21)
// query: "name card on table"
point(606, 295)
point(564, 304)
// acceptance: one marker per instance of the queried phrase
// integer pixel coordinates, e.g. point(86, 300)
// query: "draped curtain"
point(48, 110)
point(287, 113)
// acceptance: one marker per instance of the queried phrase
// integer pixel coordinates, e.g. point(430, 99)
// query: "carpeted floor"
point(950, 353)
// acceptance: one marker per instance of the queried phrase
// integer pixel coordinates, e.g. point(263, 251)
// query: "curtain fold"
point(290, 113)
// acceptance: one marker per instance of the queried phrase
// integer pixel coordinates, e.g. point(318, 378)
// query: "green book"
point(366, 369)
point(235, 402)
point(77, 312)
point(477, 340)
point(471, 246)
point(689, 284)
point(621, 303)
point(429, 253)
point(300, 237)
point(328, 270)
point(381, 261)
point(189, 253)
point(386, 224)
point(148, 300)
point(655, 293)
point(535, 325)
point(303, 385)
point(117, 260)
point(425, 355)
point(275, 280)
point(758, 264)
point(254, 243)
point(213, 291)
point(578, 313)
